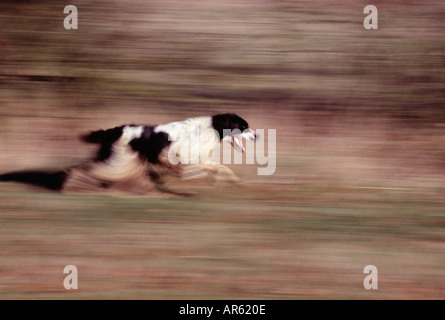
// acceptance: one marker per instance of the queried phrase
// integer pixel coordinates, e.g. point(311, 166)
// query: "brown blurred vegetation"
point(360, 122)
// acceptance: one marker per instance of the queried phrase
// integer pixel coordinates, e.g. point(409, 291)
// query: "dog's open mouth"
point(237, 143)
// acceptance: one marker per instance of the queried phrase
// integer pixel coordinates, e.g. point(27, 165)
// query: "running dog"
point(135, 157)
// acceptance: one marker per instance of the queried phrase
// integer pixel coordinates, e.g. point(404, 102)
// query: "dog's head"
point(232, 127)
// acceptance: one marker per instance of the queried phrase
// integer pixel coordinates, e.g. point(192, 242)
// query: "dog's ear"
point(228, 121)
point(221, 122)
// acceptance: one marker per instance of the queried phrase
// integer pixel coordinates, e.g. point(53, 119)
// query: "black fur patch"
point(49, 180)
point(105, 138)
point(150, 144)
point(228, 121)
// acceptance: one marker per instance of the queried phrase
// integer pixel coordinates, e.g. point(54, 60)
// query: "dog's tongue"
point(239, 143)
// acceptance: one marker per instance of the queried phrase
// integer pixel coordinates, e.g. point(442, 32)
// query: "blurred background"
point(360, 123)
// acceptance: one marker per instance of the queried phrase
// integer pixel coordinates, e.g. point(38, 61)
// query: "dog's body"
point(133, 157)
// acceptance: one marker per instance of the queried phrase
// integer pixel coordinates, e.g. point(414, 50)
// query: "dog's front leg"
point(219, 172)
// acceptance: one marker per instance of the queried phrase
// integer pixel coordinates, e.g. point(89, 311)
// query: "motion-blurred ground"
point(360, 137)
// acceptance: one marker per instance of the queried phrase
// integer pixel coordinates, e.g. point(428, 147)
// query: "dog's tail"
point(49, 180)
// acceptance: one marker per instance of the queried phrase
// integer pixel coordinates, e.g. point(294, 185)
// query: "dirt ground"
point(360, 131)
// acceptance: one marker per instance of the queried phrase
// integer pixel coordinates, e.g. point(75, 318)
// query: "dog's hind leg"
point(80, 180)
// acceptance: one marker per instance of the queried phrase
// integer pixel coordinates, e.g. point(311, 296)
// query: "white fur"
point(130, 133)
point(192, 140)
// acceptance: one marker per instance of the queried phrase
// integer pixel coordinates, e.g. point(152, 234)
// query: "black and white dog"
point(133, 157)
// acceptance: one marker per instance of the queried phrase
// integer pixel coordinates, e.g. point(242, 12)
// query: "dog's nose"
point(255, 136)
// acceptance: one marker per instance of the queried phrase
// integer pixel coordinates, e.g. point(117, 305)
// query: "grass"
point(220, 246)
point(360, 171)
